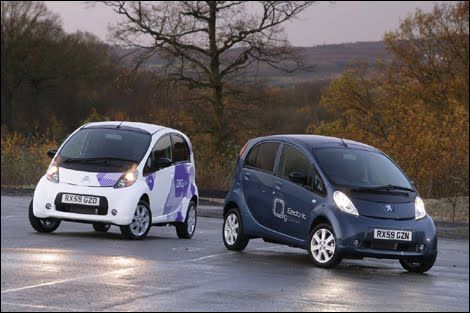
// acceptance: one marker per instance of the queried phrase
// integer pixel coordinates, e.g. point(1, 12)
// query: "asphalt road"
point(78, 269)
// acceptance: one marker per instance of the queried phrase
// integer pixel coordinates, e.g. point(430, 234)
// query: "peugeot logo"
point(86, 178)
point(388, 208)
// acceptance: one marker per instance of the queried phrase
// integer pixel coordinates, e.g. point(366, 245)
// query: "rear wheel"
point(42, 225)
point(421, 265)
point(141, 222)
point(101, 227)
point(322, 247)
point(232, 231)
point(187, 229)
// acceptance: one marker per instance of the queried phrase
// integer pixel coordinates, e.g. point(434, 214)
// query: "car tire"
point(187, 229)
point(232, 231)
point(42, 225)
point(100, 227)
point(322, 248)
point(418, 265)
point(141, 222)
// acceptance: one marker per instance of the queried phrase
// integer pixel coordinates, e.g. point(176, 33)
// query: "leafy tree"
point(415, 107)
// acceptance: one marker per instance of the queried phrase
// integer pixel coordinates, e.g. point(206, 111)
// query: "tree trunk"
point(216, 81)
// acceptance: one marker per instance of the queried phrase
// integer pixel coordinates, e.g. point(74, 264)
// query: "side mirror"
point(163, 162)
point(298, 178)
point(51, 153)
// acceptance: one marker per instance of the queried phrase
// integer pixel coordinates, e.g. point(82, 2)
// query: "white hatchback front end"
point(132, 175)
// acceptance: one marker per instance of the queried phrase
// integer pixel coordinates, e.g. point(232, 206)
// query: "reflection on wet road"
point(78, 269)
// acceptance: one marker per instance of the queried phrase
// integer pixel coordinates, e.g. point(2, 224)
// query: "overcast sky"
point(324, 22)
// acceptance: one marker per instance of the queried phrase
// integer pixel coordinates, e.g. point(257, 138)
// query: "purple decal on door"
point(108, 179)
point(150, 180)
point(181, 180)
point(179, 188)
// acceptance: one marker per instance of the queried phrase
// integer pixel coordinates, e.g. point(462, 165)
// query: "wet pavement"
point(77, 269)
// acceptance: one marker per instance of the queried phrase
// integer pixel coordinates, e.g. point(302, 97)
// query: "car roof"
point(149, 128)
point(317, 141)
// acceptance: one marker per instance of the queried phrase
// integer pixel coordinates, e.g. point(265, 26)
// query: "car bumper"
point(123, 200)
point(355, 238)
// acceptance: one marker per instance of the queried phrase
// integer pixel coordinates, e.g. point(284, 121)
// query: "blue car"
point(335, 198)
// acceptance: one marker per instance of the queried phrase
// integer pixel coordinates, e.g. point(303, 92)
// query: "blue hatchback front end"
point(335, 198)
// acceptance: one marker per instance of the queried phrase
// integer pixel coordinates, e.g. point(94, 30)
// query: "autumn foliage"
point(414, 108)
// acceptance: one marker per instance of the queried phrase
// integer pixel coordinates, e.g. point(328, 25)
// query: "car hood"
point(378, 208)
point(91, 179)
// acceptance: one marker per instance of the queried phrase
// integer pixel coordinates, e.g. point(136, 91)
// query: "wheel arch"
point(321, 219)
point(145, 197)
point(230, 205)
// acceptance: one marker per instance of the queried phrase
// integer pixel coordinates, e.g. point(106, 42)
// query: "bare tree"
point(210, 45)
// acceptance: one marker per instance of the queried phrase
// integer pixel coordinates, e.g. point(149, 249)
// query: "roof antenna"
point(344, 142)
point(119, 124)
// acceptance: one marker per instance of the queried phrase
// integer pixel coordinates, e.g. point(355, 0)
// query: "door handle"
point(247, 176)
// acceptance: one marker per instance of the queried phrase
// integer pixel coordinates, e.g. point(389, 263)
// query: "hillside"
point(329, 61)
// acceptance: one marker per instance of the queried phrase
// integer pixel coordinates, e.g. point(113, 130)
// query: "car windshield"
point(106, 144)
point(360, 168)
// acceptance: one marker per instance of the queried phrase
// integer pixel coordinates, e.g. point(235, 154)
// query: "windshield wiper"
point(380, 188)
point(101, 159)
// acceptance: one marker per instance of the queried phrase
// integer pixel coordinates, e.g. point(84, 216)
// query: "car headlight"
point(52, 173)
point(420, 211)
point(344, 203)
point(127, 179)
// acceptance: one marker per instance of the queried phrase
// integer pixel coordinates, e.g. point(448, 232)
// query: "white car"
point(133, 175)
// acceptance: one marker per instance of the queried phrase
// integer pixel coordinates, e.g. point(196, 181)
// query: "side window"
point(250, 159)
point(263, 156)
point(267, 156)
point(180, 149)
point(296, 167)
point(161, 149)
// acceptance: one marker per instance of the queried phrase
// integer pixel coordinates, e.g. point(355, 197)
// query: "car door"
point(159, 180)
point(258, 181)
point(177, 200)
point(298, 190)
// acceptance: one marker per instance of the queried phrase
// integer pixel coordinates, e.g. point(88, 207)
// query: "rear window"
point(180, 149)
point(263, 156)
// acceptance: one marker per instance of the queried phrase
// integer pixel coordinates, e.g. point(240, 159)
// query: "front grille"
point(392, 246)
point(102, 209)
point(81, 209)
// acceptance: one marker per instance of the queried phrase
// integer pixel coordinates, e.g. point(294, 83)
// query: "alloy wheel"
point(323, 245)
point(231, 229)
point(141, 221)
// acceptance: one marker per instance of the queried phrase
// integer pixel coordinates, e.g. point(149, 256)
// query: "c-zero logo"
point(86, 179)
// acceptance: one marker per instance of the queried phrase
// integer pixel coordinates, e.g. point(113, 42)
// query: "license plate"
point(392, 234)
point(79, 199)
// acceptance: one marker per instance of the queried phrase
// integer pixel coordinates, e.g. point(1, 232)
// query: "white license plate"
point(79, 199)
point(388, 234)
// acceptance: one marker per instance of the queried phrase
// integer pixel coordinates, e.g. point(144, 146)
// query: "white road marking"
point(40, 306)
point(66, 280)
point(203, 258)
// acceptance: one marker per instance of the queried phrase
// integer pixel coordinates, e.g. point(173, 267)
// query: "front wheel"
point(42, 225)
point(232, 231)
point(322, 247)
point(141, 222)
point(187, 229)
point(418, 265)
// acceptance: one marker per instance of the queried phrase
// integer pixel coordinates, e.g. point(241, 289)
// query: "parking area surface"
point(77, 269)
